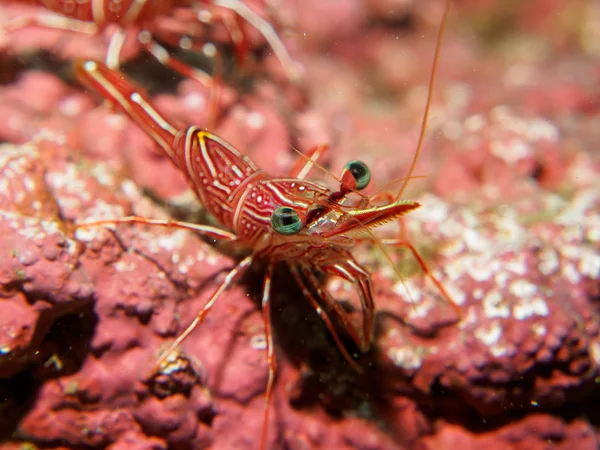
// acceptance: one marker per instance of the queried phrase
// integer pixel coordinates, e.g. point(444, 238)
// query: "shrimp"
point(287, 220)
point(94, 16)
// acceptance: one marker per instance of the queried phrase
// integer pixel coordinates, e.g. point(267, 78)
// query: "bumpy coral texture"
point(509, 224)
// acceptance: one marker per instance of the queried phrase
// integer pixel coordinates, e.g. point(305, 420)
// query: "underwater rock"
point(510, 228)
point(40, 277)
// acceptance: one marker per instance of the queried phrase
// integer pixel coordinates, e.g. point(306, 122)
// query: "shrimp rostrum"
point(286, 220)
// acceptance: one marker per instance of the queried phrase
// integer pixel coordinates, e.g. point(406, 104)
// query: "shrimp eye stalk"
point(286, 221)
point(359, 172)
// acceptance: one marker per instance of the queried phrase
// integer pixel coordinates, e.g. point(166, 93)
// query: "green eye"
point(286, 221)
point(360, 172)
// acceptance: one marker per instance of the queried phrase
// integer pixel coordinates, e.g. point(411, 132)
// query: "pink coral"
point(510, 226)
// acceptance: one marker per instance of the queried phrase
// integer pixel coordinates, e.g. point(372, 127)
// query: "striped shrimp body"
point(276, 220)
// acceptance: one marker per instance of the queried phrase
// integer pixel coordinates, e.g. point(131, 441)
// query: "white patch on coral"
point(419, 310)
point(101, 211)
point(549, 261)
point(49, 135)
point(455, 268)
point(476, 241)
point(392, 333)
point(479, 269)
point(336, 284)
point(517, 265)
point(470, 220)
point(540, 129)
point(452, 248)
point(474, 123)
point(103, 176)
point(553, 202)
point(592, 233)
point(489, 336)
point(172, 363)
point(116, 121)
point(405, 357)
point(71, 246)
point(69, 181)
point(88, 234)
point(105, 211)
point(501, 279)
point(498, 350)
point(522, 288)
point(511, 151)
point(333, 284)
point(407, 291)
point(256, 120)
point(525, 308)
point(570, 273)
point(589, 264)
point(436, 211)
point(572, 251)
point(130, 189)
point(539, 329)
point(581, 172)
point(459, 95)
point(27, 232)
point(71, 106)
point(469, 319)
point(122, 266)
point(595, 352)
point(194, 100)
point(11, 154)
point(450, 227)
point(29, 184)
point(509, 229)
point(170, 242)
point(258, 342)
point(458, 296)
point(452, 130)
point(211, 259)
point(493, 307)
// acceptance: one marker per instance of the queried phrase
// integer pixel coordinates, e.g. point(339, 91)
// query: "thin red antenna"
point(429, 96)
